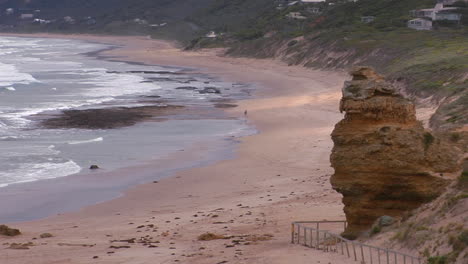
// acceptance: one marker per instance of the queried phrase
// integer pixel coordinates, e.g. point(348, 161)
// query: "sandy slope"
point(279, 175)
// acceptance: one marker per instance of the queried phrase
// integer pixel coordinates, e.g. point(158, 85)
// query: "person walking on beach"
point(245, 113)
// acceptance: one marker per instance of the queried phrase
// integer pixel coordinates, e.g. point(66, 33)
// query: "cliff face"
point(385, 162)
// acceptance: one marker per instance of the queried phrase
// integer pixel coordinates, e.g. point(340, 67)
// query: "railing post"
point(388, 257)
point(378, 254)
point(318, 239)
point(318, 236)
point(325, 246)
point(336, 244)
point(354, 249)
point(342, 249)
point(298, 234)
point(362, 254)
point(404, 259)
point(305, 236)
point(311, 244)
point(370, 254)
point(396, 259)
point(292, 233)
point(347, 249)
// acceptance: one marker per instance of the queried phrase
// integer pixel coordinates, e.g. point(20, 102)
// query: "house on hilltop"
point(211, 34)
point(420, 24)
point(450, 2)
point(367, 19)
point(296, 15)
point(27, 16)
point(440, 8)
point(440, 12)
point(314, 10)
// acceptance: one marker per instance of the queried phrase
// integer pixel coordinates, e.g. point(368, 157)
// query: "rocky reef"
point(385, 162)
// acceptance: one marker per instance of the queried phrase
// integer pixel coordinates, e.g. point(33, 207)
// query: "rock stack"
point(385, 162)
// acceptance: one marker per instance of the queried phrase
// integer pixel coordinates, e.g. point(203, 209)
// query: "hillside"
point(431, 66)
point(163, 17)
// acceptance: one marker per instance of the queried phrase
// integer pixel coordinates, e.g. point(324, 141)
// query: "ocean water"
point(41, 77)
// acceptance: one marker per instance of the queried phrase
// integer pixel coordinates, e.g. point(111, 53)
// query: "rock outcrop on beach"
point(385, 162)
point(108, 118)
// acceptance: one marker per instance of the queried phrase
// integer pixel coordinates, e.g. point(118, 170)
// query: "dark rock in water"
point(212, 90)
point(237, 84)
point(155, 72)
point(7, 231)
point(152, 96)
point(225, 105)
point(93, 167)
point(161, 79)
point(107, 118)
point(189, 88)
point(187, 81)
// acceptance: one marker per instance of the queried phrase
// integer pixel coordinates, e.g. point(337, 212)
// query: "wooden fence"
point(308, 233)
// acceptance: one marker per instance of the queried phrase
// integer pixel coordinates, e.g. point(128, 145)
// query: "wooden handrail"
point(339, 239)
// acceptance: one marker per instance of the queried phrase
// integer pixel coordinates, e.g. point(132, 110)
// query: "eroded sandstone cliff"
point(385, 162)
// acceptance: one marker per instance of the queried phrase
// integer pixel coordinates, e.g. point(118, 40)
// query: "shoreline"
point(276, 176)
point(16, 198)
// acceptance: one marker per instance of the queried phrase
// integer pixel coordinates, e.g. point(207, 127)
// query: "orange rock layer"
point(385, 162)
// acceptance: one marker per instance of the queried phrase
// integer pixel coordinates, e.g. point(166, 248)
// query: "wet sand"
point(278, 176)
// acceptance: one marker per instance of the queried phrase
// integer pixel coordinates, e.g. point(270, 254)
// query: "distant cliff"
point(385, 162)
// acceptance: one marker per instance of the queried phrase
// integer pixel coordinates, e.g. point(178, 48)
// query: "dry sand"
point(278, 176)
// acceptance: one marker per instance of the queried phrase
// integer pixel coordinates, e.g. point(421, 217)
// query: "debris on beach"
point(45, 235)
point(7, 231)
point(20, 245)
point(210, 236)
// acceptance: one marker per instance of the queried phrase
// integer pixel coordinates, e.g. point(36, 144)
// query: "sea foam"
point(10, 75)
point(29, 172)
point(99, 139)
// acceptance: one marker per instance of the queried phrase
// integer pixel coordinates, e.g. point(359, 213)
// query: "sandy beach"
point(278, 176)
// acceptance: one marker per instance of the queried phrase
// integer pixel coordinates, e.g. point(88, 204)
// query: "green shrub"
point(463, 237)
point(375, 230)
point(428, 140)
point(292, 43)
point(437, 260)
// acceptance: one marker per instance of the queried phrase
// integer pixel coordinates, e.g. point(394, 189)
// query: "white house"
point(447, 15)
point(367, 19)
point(42, 21)
point(27, 16)
point(9, 11)
point(314, 10)
point(69, 20)
point(420, 24)
point(439, 12)
point(211, 34)
point(296, 15)
point(450, 2)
